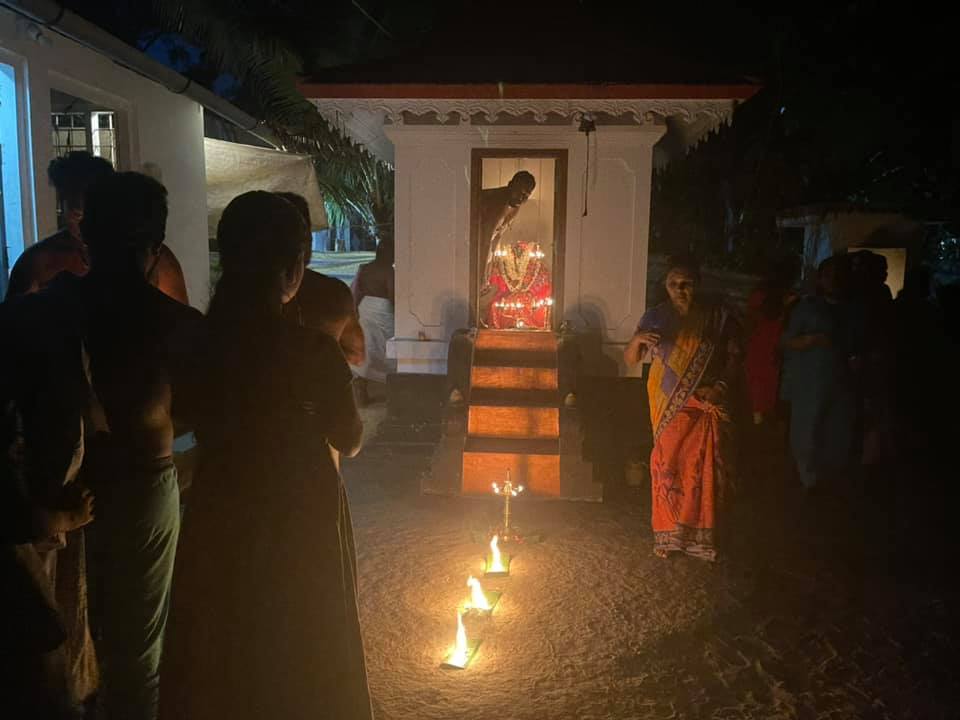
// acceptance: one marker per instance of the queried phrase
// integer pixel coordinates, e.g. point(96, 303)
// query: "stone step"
point(514, 358)
point(514, 398)
point(514, 446)
point(529, 340)
point(513, 378)
point(538, 473)
point(513, 422)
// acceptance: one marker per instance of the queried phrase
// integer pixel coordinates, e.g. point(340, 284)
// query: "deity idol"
point(522, 288)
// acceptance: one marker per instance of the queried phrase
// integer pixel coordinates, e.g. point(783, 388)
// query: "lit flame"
point(478, 599)
point(461, 651)
point(496, 564)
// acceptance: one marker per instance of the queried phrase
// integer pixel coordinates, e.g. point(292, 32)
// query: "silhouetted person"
point(374, 296)
point(920, 346)
point(817, 348)
point(265, 614)
point(167, 276)
point(65, 251)
point(767, 309)
point(135, 344)
point(325, 303)
point(875, 356)
point(35, 663)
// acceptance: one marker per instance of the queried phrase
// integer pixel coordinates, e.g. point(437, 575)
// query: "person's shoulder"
point(807, 305)
point(58, 305)
point(172, 311)
point(660, 309)
point(491, 194)
point(317, 353)
point(169, 257)
point(310, 340)
point(60, 240)
point(23, 268)
point(655, 313)
point(318, 279)
point(325, 286)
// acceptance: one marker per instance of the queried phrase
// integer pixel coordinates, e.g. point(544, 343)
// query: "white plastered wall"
point(159, 132)
point(605, 263)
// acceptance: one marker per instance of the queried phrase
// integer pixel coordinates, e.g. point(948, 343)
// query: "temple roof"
point(564, 59)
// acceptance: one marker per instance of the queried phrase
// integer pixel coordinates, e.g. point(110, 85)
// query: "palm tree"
point(264, 45)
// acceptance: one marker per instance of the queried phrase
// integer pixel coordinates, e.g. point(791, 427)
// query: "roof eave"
point(528, 91)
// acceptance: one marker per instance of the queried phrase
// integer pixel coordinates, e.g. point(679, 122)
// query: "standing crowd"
point(104, 365)
point(835, 368)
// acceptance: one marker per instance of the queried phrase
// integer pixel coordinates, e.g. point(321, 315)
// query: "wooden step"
point(514, 358)
point(512, 446)
point(529, 340)
point(513, 422)
point(539, 474)
point(514, 398)
point(514, 378)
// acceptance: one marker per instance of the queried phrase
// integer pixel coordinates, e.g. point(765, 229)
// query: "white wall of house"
point(605, 266)
point(159, 132)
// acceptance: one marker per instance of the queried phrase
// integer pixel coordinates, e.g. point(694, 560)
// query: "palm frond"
point(246, 40)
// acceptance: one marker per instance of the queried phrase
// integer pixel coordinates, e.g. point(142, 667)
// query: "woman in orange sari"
point(694, 353)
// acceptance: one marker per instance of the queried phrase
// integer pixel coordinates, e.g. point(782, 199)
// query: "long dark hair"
point(260, 236)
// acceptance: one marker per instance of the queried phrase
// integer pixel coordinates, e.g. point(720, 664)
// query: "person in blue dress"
point(818, 354)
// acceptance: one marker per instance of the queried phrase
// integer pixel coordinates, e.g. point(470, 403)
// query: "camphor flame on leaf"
point(478, 599)
point(461, 651)
point(496, 564)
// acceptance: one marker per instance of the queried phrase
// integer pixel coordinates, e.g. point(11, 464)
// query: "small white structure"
point(828, 230)
point(440, 139)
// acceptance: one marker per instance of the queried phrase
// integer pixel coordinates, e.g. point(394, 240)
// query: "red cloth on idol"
point(529, 306)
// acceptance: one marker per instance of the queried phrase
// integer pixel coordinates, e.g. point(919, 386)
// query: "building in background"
point(826, 230)
point(66, 85)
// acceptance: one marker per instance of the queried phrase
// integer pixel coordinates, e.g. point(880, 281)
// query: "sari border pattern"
point(686, 385)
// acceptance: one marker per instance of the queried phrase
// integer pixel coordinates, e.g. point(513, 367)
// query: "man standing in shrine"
point(498, 209)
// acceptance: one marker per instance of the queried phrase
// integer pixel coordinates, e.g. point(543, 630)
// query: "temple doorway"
point(516, 259)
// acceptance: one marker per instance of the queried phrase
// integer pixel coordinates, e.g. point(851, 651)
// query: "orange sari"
point(686, 466)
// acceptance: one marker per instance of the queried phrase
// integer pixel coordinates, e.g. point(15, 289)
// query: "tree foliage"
point(255, 51)
point(847, 116)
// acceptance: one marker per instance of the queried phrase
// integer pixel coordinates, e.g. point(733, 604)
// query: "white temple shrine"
point(589, 211)
point(522, 216)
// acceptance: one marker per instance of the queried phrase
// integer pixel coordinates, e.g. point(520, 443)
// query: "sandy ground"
point(820, 610)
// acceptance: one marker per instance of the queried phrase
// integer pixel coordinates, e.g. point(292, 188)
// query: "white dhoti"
point(376, 319)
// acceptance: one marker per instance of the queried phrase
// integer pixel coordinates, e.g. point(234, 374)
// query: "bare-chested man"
point(122, 344)
point(373, 291)
point(322, 301)
point(498, 209)
point(65, 251)
point(137, 340)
